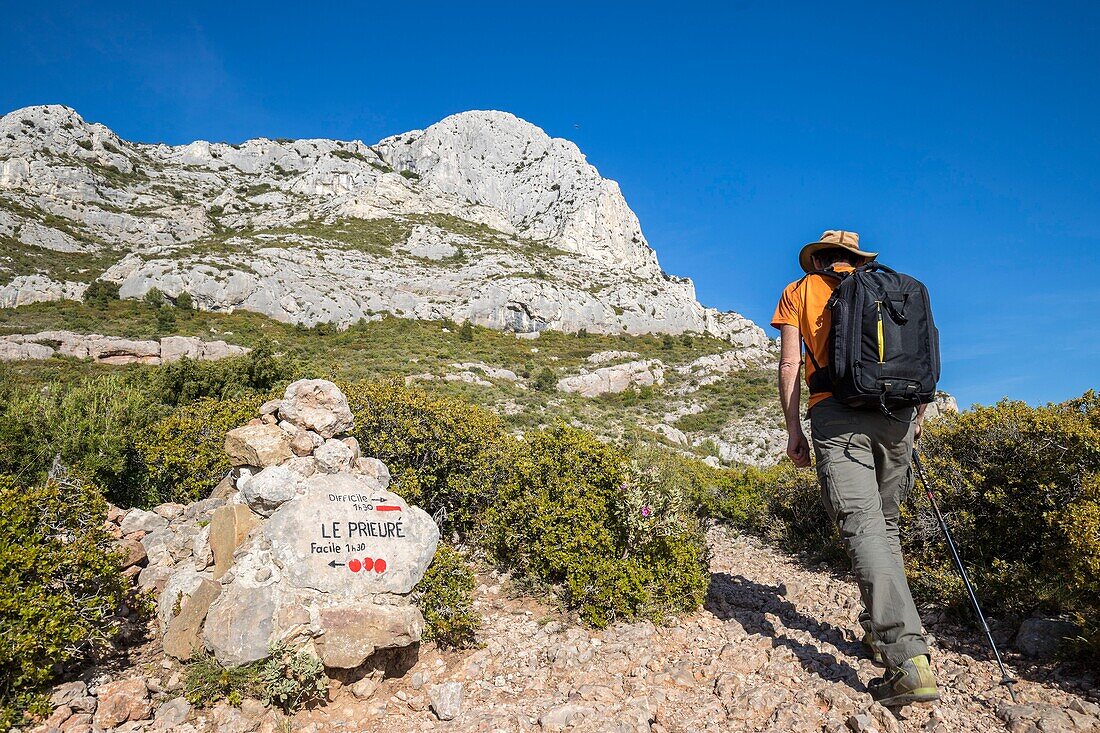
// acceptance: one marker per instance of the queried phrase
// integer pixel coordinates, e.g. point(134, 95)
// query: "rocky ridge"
point(480, 217)
point(113, 349)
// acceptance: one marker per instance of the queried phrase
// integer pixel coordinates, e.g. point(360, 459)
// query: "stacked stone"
point(302, 543)
point(304, 433)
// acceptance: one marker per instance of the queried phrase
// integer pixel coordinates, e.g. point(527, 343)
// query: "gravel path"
point(774, 649)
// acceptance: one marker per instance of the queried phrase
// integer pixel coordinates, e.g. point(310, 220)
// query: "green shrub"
point(783, 505)
point(89, 425)
point(292, 679)
point(100, 293)
point(1020, 487)
point(165, 320)
point(466, 331)
point(184, 453)
point(615, 535)
point(287, 679)
point(444, 454)
point(185, 302)
point(254, 373)
point(545, 381)
point(205, 682)
point(445, 597)
point(154, 297)
point(59, 583)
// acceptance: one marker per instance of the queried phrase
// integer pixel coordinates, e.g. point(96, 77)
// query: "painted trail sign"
point(345, 535)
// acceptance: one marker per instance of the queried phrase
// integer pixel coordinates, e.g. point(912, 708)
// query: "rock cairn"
point(302, 543)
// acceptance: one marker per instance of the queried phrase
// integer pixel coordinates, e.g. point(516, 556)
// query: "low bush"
point(445, 597)
point(615, 536)
point(255, 373)
point(183, 454)
point(444, 454)
point(1020, 488)
point(288, 679)
point(292, 680)
point(60, 583)
point(100, 293)
point(205, 682)
point(88, 425)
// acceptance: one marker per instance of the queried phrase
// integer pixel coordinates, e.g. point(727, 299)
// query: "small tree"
point(154, 297)
point(466, 333)
point(100, 293)
point(545, 381)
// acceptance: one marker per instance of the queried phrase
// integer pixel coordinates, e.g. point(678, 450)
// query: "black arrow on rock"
point(333, 564)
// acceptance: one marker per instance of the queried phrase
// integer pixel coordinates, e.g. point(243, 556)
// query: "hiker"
point(863, 465)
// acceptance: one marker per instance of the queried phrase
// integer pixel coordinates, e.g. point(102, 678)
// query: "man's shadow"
point(740, 599)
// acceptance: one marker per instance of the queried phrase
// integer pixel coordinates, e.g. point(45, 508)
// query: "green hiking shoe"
point(871, 646)
point(909, 683)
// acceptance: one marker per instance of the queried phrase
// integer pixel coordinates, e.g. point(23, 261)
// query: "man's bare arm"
point(919, 427)
point(790, 393)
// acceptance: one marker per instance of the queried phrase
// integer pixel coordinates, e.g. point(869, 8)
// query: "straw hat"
point(829, 240)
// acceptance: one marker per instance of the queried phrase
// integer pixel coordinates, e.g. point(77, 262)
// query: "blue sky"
point(959, 139)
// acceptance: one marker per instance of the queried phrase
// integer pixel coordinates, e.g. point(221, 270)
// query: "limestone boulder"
point(15, 351)
point(174, 348)
point(446, 699)
point(139, 520)
point(317, 405)
point(229, 525)
point(270, 488)
point(258, 445)
point(352, 632)
point(374, 469)
point(183, 635)
point(240, 623)
point(334, 456)
point(615, 379)
point(1041, 638)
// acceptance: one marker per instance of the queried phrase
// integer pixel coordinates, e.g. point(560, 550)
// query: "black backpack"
point(884, 349)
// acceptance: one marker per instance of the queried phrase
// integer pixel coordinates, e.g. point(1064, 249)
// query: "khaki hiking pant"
point(863, 463)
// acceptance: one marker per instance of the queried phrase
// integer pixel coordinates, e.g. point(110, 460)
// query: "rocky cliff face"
point(480, 217)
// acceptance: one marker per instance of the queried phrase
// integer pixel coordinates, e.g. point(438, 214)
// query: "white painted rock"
point(347, 536)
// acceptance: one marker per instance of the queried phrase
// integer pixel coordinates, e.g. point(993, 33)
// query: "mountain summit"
point(481, 217)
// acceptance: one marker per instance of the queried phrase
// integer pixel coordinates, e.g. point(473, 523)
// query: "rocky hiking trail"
point(774, 649)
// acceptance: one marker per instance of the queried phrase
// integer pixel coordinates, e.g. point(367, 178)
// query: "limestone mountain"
point(480, 217)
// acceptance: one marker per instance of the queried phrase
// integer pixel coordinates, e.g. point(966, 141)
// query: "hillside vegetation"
point(456, 359)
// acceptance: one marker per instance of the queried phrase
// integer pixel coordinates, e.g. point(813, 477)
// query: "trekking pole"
point(1005, 679)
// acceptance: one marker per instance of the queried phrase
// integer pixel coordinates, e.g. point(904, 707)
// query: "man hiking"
point(863, 465)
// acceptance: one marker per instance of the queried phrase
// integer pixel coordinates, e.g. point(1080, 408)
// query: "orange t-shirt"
point(802, 305)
